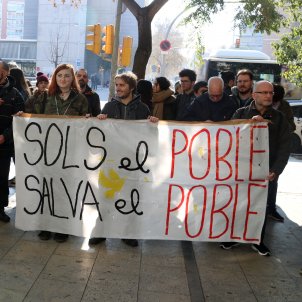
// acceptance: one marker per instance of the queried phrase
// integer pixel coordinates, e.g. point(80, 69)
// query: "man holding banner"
point(279, 142)
point(128, 106)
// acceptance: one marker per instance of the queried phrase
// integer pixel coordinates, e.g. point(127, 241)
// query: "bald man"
point(279, 146)
point(213, 105)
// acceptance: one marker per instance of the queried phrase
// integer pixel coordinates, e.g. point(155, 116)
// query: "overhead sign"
point(165, 45)
point(136, 179)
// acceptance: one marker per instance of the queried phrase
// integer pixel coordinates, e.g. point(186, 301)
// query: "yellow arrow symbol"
point(113, 182)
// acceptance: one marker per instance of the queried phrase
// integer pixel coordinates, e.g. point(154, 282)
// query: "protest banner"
point(136, 179)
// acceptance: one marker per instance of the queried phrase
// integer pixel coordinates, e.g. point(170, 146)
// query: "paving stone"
point(45, 290)
point(68, 269)
point(171, 280)
point(13, 295)
point(147, 296)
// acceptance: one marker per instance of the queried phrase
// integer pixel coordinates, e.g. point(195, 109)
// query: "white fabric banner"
point(136, 179)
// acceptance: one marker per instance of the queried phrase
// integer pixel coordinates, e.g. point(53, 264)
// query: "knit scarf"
point(158, 100)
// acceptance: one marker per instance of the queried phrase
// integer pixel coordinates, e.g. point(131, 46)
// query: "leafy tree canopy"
point(288, 50)
point(263, 15)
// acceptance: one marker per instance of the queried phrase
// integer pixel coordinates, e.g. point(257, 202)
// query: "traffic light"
point(126, 51)
point(108, 39)
point(95, 37)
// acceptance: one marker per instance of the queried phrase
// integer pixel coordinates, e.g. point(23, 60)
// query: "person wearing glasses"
point(214, 105)
point(242, 93)
point(261, 110)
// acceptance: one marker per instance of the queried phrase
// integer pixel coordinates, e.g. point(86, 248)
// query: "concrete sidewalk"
point(35, 270)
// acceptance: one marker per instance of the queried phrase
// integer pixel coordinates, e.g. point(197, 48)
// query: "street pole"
point(163, 54)
point(119, 12)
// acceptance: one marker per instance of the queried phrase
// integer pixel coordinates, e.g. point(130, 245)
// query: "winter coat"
point(134, 110)
point(93, 101)
point(164, 105)
point(11, 102)
point(36, 103)
point(285, 108)
point(183, 101)
point(279, 135)
point(76, 104)
point(237, 100)
point(204, 109)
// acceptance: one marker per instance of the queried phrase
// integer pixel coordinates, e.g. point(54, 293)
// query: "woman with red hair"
point(64, 97)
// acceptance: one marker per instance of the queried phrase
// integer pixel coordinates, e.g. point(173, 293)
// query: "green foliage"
point(261, 14)
point(203, 9)
point(200, 48)
point(288, 49)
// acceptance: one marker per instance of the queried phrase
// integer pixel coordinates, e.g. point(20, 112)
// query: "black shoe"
point(131, 242)
point(228, 245)
point(96, 240)
point(262, 249)
point(44, 235)
point(58, 237)
point(3, 217)
point(276, 216)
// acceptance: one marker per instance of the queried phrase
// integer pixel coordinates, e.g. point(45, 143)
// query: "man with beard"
point(11, 102)
point(242, 93)
point(126, 106)
point(91, 96)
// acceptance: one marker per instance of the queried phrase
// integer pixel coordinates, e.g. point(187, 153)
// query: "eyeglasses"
point(265, 92)
point(185, 81)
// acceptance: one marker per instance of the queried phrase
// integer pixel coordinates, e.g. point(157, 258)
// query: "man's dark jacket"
point(238, 101)
point(183, 101)
point(279, 135)
point(13, 102)
point(93, 101)
point(203, 109)
point(134, 110)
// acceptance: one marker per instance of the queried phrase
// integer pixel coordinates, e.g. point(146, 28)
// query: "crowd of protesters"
point(222, 98)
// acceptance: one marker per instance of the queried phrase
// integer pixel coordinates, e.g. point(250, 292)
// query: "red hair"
point(54, 89)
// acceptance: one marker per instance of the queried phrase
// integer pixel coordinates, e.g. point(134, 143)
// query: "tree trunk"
point(144, 17)
point(144, 47)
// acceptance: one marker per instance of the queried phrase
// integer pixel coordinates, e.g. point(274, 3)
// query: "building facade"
point(38, 36)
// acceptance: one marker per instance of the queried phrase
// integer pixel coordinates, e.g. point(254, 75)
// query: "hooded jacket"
point(134, 110)
point(11, 102)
